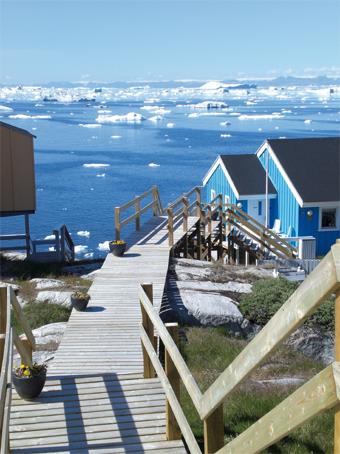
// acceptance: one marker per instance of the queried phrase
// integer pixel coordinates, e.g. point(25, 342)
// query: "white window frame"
point(226, 200)
point(337, 217)
point(212, 194)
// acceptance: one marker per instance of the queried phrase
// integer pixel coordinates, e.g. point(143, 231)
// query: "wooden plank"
point(173, 431)
point(21, 319)
point(318, 394)
point(337, 358)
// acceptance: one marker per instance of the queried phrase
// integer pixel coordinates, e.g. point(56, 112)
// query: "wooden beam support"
point(214, 431)
point(137, 209)
point(173, 431)
point(337, 358)
point(3, 320)
point(149, 371)
point(117, 223)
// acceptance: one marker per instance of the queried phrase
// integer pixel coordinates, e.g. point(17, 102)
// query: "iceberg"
point(170, 125)
point(153, 164)
point(272, 116)
point(90, 125)
point(308, 122)
point(225, 135)
point(210, 105)
point(80, 249)
point(104, 246)
point(101, 175)
point(26, 117)
point(130, 117)
point(156, 118)
point(116, 137)
point(95, 166)
point(6, 109)
point(84, 233)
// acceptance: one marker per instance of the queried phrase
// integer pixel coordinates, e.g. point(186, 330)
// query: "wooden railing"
point(317, 395)
point(180, 210)
point(24, 346)
point(62, 243)
point(155, 206)
point(258, 232)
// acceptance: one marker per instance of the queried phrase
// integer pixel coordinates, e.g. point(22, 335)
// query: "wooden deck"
point(95, 399)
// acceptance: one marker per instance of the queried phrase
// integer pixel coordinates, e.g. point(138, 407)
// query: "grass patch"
point(208, 352)
point(269, 295)
point(38, 314)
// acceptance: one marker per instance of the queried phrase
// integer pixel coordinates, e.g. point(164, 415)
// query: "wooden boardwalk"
point(95, 399)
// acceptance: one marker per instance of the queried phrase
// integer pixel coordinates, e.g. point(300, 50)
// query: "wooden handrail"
point(155, 205)
point(320, 393)
point(266, 230)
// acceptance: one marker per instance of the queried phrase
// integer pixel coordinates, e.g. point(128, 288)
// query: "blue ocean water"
point(182, 146)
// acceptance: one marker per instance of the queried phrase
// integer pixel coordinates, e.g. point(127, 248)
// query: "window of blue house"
point(260, 208)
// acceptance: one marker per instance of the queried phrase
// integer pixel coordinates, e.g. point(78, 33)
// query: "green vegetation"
point(270, 294)
point(208, 352)
point(39, 314)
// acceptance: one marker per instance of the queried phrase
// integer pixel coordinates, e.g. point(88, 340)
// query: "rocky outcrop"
point(43, 283)
point(57, 297)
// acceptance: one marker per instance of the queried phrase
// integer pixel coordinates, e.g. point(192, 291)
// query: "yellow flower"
point(27, 373)
point(23, 366)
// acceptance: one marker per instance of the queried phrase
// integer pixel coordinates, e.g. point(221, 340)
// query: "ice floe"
point(84, 233)
point(206, 114)
point(272, 116)
point(90, 125)
point(156, 118)
point(27, 117)
point(80, 249)
point(104, 246)
point(131, 117)
point(116, 137)
point(308, 122)
point(170, 125)
point(225, 123)
point(49, 237)
point(101, 175)
point(95, 165)
point(225, 135)
point(6, 109)
point(153, 164)
point(210, 105)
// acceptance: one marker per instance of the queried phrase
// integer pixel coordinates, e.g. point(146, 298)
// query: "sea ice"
point(49, 237)
point(80, 249)
point(130, 117)
point(26, 117)
point(101, 175)
point(225, 135)
point(206, 114)
point(153, 164)
point(272, 116)
point(116, 137)
point(308, 122)
point(210, 105)
point(103, 246)
point(85, 233)
point(225, 123)
point(170, 125)
point(90, 125)
point(94, 165)
point(156, 118)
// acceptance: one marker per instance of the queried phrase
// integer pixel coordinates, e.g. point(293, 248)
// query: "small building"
point(293, 184)
point(17, 196)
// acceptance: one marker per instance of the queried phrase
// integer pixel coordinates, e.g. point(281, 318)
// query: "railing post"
point(3, 319)
point(149, 371)
point(137, 209)
point(173, 432)
point(214, 431)
point(155, 208)
point(185, 213)
point(198, 201)
point(57, 243)
point(170, 226)
point(117, 223)
point(62, 242)
point(337, 358)
point(27, 235)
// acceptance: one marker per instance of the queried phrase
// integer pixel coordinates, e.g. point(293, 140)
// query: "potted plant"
point(29, 380)
point(79, 300)
point(117, 247)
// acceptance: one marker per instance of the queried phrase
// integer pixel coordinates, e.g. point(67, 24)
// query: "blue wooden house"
point(292, 184)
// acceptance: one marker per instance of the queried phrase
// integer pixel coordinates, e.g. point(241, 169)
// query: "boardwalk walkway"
point(95, 399)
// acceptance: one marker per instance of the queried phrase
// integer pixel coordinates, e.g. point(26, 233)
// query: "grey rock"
point(207, 286)
point(43, 283)
point(15, 287)
point(21, 301)
point(62, 298)
point(313, 344)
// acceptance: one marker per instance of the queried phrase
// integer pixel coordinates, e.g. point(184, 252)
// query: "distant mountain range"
point(282, 81)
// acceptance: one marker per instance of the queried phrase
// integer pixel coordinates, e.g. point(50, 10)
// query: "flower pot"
point(117, 249)
point(79, 304)
point(29, 387)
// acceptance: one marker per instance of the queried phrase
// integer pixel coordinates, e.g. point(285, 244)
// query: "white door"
point(256, 209)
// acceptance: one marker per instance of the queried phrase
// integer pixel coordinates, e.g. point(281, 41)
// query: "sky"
point(110, 40)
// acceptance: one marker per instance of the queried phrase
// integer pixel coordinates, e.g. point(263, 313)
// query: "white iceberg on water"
point(95, 165)
point(84, 233)
point(153, 164)
point(131, 117)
